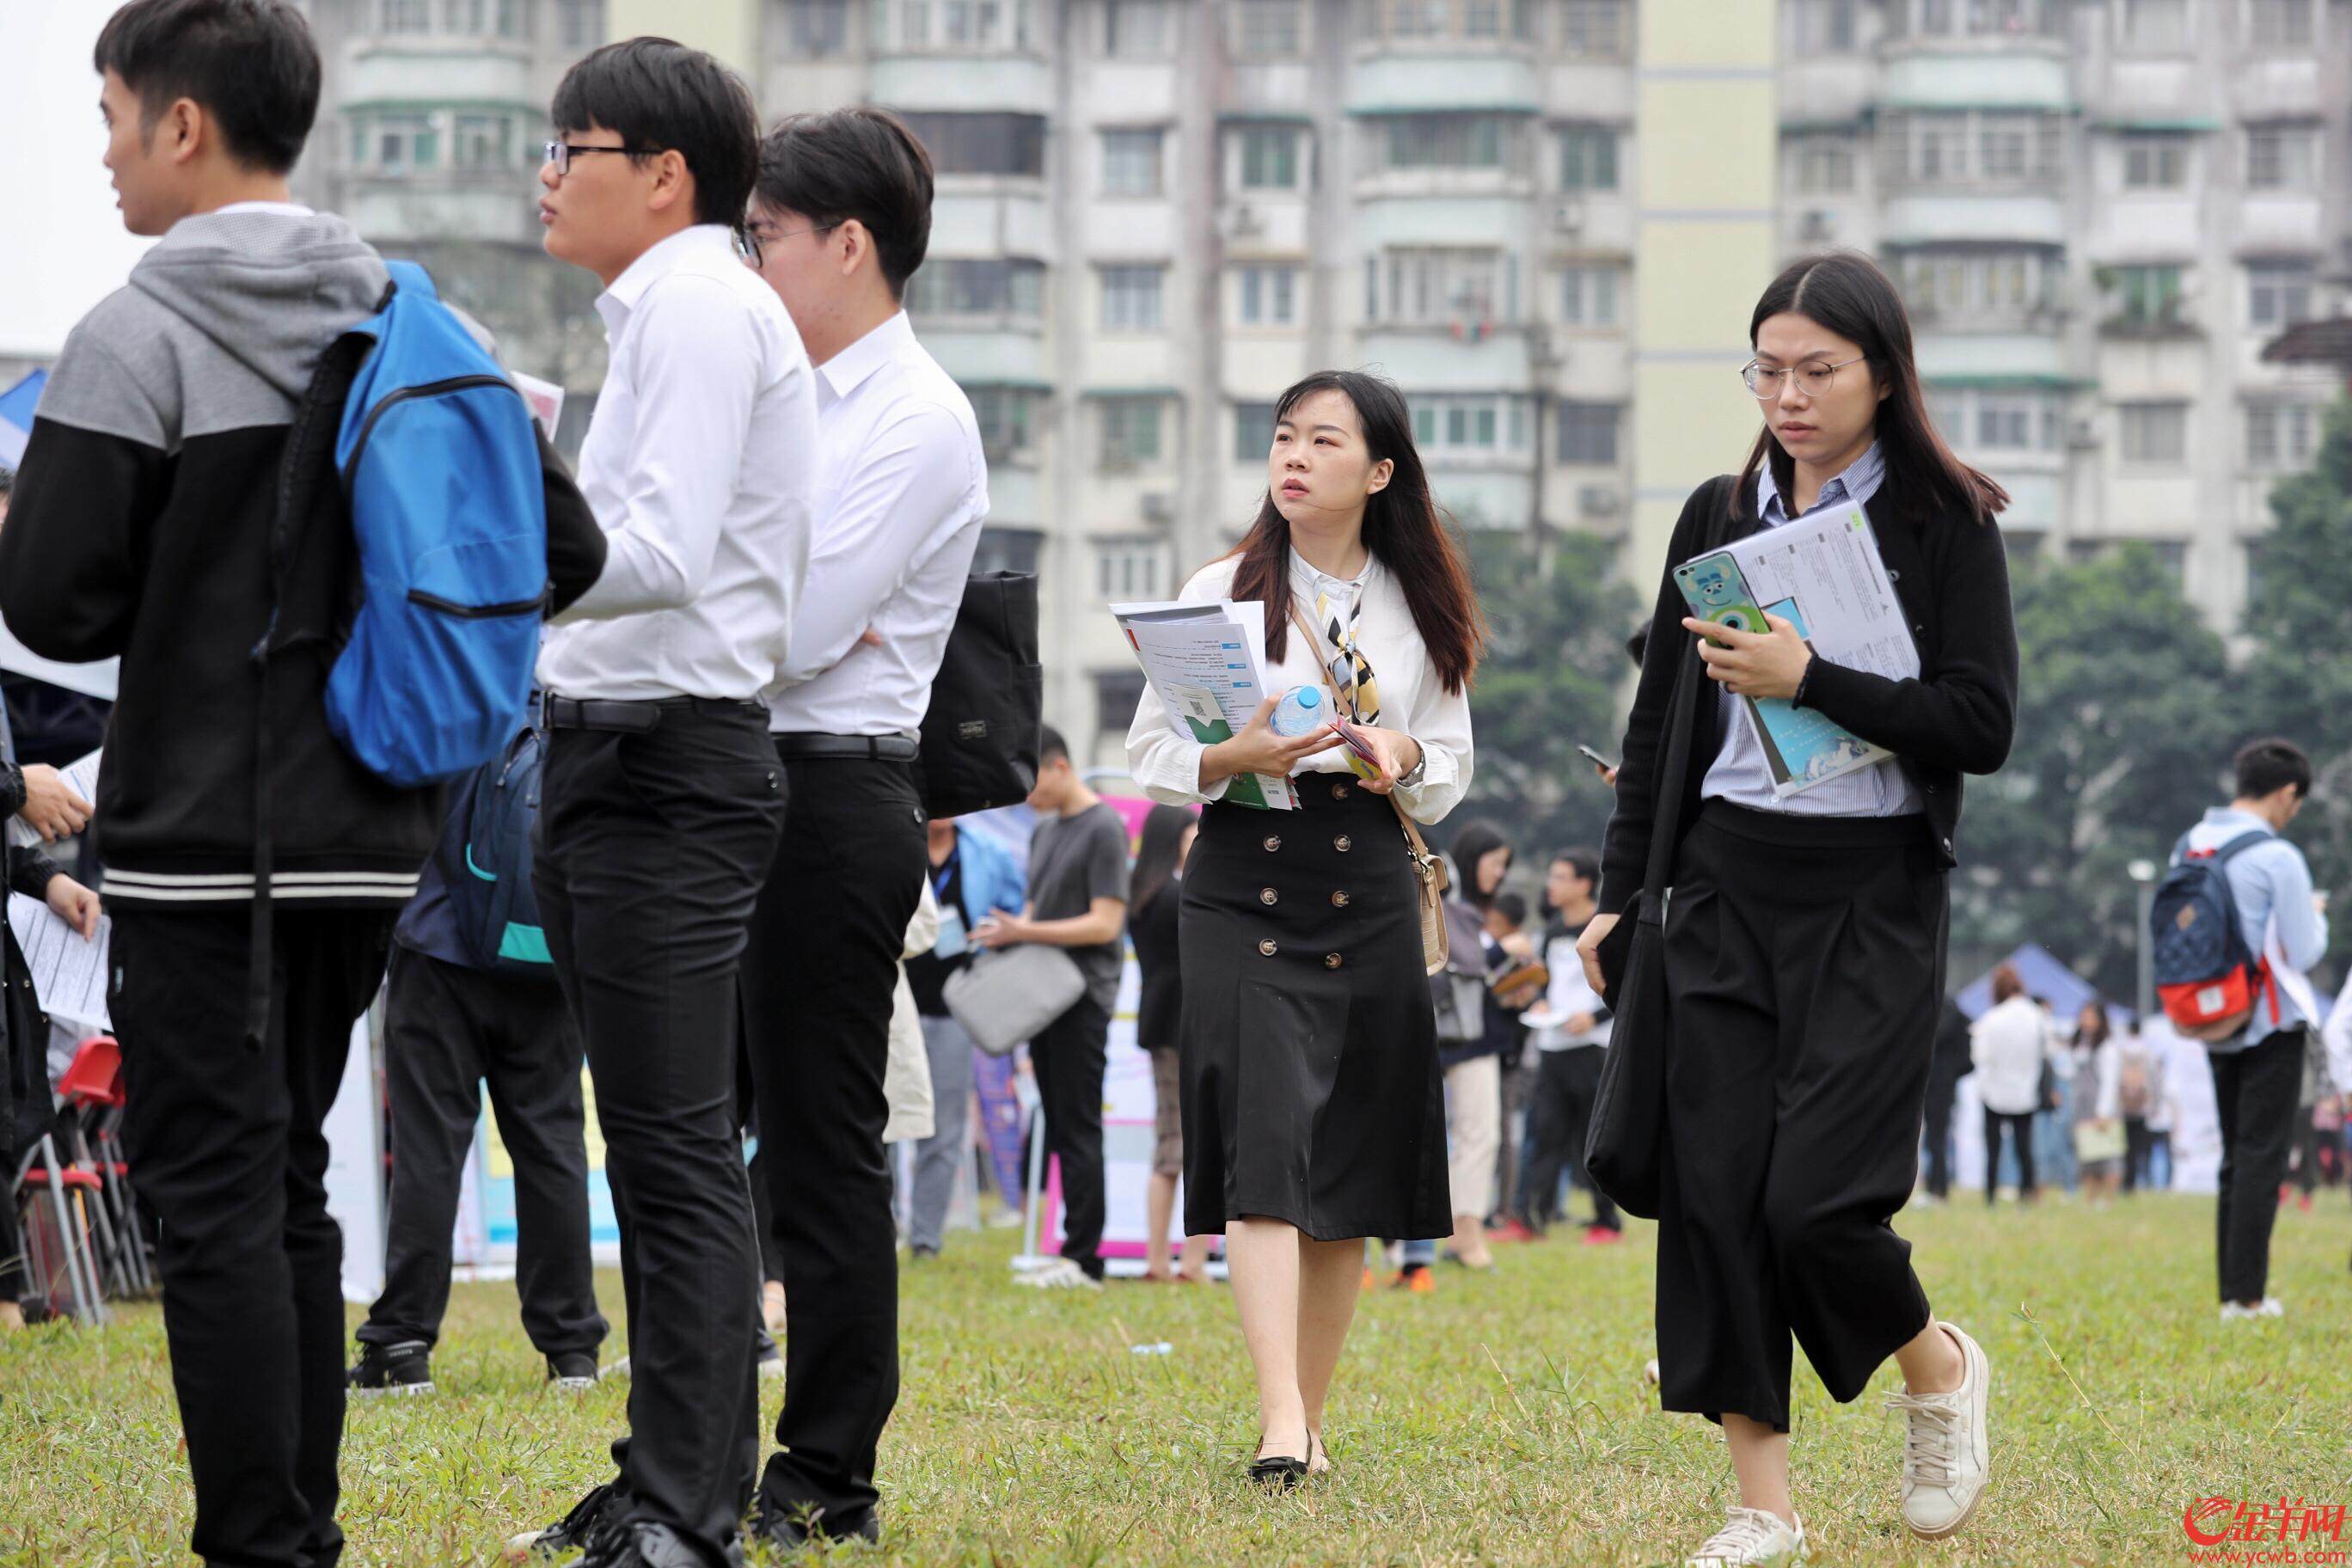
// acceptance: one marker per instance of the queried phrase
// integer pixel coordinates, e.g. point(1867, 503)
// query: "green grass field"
point(1501, 1420)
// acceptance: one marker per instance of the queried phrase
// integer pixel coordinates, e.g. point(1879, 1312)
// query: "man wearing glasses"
point(662, 795)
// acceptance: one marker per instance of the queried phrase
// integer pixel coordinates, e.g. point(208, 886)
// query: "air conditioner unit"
point(1819, 226)
point(1158, 506)
point(1568, 217)
point(2083, 433)
point(1597, 502)
point(1243, 221)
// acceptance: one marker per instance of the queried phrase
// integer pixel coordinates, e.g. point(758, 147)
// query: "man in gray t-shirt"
point(1077, 901)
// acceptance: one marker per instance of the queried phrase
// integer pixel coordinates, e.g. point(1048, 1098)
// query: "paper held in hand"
point(1207, 662)
point(1824, 575)
point(80, 776)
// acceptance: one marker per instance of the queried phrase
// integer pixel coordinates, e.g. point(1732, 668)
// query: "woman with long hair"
point(1805, 941)
point(1154, 891)
point(1313, 1113)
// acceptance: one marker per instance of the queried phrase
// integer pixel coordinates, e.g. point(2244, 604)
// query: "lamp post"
point(2143, 873)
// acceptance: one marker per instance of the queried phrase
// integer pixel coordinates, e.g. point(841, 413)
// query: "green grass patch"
point(1501, 1420)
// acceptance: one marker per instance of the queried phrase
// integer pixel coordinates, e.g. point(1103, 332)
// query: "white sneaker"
point(1062, 1274)
point(2271, 1307)
point(2238, 1311)
point(1945, 1452)
point(1751, 1536)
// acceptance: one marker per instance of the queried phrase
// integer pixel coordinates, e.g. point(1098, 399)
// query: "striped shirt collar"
point(1857, 485)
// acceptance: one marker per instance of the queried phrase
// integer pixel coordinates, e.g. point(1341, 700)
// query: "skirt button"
point(1267, 895)
point(1339, 900)
point(1272, 842)
point(1330, 961)
point(1268, 947)
point(1338, 792)
point(1343, 844)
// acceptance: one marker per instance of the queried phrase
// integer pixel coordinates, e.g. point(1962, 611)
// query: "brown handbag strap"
point(1420, 846)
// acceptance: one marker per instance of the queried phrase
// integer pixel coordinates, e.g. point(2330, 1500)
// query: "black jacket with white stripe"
point(185, 413)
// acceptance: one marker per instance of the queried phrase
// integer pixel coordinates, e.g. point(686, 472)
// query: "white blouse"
point(1412, 699)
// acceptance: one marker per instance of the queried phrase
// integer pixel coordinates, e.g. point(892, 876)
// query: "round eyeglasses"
point(1815, 376)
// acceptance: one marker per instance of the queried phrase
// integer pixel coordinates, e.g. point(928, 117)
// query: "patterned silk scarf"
point(1352, 673)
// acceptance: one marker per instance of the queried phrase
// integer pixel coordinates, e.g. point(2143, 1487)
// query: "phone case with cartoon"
point(1716, 591)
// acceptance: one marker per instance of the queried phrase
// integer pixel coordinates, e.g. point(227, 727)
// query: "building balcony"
point(1918, 213)
point(1009, 83)
point(440, 71)
point(441, 204)
point(1465, 357)
point(1510, 83)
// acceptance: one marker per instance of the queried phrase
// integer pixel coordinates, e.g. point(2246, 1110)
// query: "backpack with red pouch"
point(2206, 977)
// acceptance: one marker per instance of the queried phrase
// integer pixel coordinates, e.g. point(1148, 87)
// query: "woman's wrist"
point(1804, 680)
point(1419, 765)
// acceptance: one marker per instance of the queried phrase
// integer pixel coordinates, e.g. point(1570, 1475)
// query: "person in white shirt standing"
point(840, 219)
point(1570, 1033)
point(661, 798)
point(2009, 1046)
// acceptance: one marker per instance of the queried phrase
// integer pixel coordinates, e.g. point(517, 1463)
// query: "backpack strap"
point(2240, 844)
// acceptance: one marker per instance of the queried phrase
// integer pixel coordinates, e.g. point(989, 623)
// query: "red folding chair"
point(91, 1096)
point(46, 1193)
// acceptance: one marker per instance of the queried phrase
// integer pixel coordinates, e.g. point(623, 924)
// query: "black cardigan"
point(1957, 716)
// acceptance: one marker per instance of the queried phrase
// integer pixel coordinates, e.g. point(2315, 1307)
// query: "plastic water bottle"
point(1300, 712)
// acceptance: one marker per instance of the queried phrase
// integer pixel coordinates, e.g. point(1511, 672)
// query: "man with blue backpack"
point(306, 649)
point(2234, 882)
point(473, 996)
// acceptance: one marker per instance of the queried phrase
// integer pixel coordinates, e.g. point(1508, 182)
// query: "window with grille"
point(982, 143)
point(1131, 297)
point(580, 24)
point(1588, 432)
point(1825, 165)
point(1447, 141)
point(2155, 161)
point(2149, 295)
point(1435, 287)
point(1269, 158)
point(1267, 29)
point(1006, 417)
point(1594, 30)
point(2278, 293)
point(1136, 29)
point(1131, 431)
point(1588, 158)
point(2155, 26)
point(977, 286)
point(2280, 23)
point(2282, 436)
point(1588, 295)
point(1267, 296)
point(2153, 435)
point(1131, 162)
point(2282, 158)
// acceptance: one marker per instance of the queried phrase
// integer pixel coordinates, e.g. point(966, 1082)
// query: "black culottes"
point(1309, 1048)
point(1805, 961)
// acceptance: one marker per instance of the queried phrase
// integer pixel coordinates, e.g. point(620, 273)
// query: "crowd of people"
point(725, 894)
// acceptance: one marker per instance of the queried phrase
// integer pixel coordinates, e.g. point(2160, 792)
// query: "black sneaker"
point(575, 1370)
point(576, 1530)
point(403, 1368)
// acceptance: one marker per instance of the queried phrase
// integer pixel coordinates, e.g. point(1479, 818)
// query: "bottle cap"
point(1308, 697)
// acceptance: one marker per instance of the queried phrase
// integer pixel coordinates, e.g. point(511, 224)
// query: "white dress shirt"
point(901, 489)
point(1412, 699)
point(2009, 1045)
point(701, 466)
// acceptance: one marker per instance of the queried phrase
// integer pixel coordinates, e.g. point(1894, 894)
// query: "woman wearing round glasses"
point(1805, 941)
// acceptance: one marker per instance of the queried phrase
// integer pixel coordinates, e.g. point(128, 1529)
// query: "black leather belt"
point(795, 745)
point(636, 718)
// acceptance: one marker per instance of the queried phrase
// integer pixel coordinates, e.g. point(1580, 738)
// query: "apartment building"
point(1546, 219)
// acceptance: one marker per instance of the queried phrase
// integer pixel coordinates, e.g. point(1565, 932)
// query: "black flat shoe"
point(1280, 1472)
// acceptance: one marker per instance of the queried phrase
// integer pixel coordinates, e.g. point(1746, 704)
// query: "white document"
point(80, 776)
point(546, 400)
point(93, 679)
point(1825, 575)
point(1207, 663)
point(69, 973)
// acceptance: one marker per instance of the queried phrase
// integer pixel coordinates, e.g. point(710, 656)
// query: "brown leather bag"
point(1428, 869)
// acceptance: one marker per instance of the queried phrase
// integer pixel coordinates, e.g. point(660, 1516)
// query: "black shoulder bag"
point(1625, 1148)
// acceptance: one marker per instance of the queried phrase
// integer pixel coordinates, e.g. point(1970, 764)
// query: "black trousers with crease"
point(650, 852)
point(819, 979)
point(1804, 959)
point(2255, 1093)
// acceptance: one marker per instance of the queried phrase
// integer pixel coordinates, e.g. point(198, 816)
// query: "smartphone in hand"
point(1597, 760)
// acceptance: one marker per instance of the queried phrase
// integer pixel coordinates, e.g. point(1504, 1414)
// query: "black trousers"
point(818, 984)
point(1067, 1055)
point(2138, 1145)
point(1805, 962)
point(1559, 1113)
point(1939, 1143)
point(2021, 1138)
point(446, 1030)
point(2255, 1091)
point(650, 852)
point(232, 1163)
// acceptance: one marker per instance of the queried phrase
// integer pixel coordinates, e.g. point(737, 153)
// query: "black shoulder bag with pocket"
point(1625, 1148)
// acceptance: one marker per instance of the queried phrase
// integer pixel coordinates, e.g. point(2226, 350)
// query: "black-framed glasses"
point(1816, 376)
point(561, 153)
point(756, 233)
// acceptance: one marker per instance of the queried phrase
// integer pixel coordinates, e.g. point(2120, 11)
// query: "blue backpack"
point(490, 888)
point(441, 465)
point(2206, 976)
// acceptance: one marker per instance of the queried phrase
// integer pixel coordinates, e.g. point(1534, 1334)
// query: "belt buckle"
point(542, 703)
